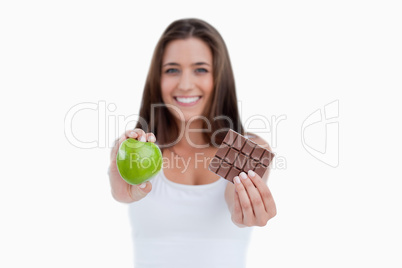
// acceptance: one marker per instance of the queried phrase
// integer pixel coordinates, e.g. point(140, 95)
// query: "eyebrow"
point(176, 64)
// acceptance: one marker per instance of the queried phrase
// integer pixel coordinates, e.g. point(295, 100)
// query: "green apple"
point(138, 161)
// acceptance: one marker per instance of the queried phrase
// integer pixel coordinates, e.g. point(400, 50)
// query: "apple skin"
point(138, 161)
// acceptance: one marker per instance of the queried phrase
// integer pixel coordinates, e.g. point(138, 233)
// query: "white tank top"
point(189, 226)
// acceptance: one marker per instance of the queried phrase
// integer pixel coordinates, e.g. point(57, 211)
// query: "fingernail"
point(132, 133)
point(143, 185)
point(243, 175)
point(236, 179)
point(143, 139)
point(152, 139)
point(251, 173)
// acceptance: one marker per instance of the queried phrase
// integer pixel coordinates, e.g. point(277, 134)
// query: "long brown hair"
point(223, 111)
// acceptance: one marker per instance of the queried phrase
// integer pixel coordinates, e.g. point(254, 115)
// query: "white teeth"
point(187, 100)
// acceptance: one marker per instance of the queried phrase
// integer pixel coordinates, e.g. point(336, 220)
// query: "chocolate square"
point(214, 164)
point(257, 152)
point(234, 171)
point(266, 158)
point(222, 151)
point(231, 156)
point(230, 137)
point(240, 161)
point(251, 164)
point(223, 169)
point(260, 170)
point(248, 147)
point(239, 143)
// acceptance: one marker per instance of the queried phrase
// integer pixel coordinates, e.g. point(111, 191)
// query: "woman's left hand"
point(253, 201)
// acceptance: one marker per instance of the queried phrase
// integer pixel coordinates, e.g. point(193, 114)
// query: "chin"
point(191, 118)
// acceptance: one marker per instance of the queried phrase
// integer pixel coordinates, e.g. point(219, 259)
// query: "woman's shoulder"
point(258, 140)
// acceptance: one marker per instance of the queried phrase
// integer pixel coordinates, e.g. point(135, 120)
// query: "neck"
point(193, 137)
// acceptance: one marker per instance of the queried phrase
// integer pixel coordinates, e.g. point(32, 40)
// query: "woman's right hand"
point(121, 190)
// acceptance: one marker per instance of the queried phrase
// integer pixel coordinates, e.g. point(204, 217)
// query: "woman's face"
point(187, 77)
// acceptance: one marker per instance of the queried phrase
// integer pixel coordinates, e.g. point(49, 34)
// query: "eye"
point(171, 70)
point(201, 70)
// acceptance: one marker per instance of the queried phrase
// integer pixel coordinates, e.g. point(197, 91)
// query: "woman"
point(187, 216)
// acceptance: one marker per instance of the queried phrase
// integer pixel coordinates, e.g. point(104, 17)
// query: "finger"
point(245, 204)
point(131, 134)
point(255, 197)
point(237, 214)
point(137, 133)
point(141, 135)
point(263, 189)
point(117, 144)
point(140, 191)
point(151, 137)
point(127, 134)
point(145, 187)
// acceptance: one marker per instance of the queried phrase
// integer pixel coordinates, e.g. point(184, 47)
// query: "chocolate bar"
point(237, 154)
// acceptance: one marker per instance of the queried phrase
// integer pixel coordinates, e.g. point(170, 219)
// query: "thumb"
point(139, 193)
point(145, 187)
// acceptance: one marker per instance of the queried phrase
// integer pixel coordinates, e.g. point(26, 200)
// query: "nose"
point(186, 82)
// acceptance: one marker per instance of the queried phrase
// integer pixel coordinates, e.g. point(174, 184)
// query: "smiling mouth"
point(187, 101)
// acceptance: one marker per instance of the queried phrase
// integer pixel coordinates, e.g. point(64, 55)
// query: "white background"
point(290, 58)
